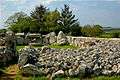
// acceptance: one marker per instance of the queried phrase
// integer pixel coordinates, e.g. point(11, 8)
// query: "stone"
point(44, 49)
point(10, 41)
point(8, 53)
point(98, 59)
point(81, 70)
point(23, 58)
point(30, 69)
point(20, 40)
point(97, 70)
point(71, 72)
point(61, 38)
point(107, 72)
point(2, 41)
point(58, 73)
point(35, 39)
point(118, 71)
point(27, 55)
point(114, 68)
point(52, 38)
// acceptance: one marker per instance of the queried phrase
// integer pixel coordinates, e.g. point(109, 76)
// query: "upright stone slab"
point(61, 38)
point(52, 38)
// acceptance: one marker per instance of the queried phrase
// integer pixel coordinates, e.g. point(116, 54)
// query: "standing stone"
point(52, 38)
point(61, 38)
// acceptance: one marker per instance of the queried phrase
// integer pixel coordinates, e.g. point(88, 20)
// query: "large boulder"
point(61, 38)
point(78, 71)
point(52, 38)
point(27, 55)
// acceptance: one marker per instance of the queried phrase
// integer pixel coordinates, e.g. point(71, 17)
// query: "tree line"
point(42, 20)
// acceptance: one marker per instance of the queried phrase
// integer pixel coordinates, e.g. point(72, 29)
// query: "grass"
point(106, 78)
point(19, 47)
point(113, 30)
point(38, 78)
point(52, 46)
point(63, 46)
point(110, 35)
point(13, 69)
point(68, 78)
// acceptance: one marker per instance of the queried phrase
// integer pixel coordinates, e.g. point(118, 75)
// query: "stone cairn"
point(8, 51)
point(100, 59)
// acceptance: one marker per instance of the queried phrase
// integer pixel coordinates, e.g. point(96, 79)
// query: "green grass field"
point(68, 78)
point(53, 46)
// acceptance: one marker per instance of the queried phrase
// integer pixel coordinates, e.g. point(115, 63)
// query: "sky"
point(102, 12)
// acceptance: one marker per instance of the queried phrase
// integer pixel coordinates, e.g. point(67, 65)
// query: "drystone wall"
point(84, 42)
point(60, 39)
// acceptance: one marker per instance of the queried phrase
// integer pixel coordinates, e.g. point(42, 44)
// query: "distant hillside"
point(109, 29)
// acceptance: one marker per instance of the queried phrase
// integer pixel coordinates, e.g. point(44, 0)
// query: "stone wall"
point(29, 38)
point(84, 42)
point(52, 38)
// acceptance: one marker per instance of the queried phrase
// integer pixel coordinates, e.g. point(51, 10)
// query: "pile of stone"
point(101, 59)
point(8, 51)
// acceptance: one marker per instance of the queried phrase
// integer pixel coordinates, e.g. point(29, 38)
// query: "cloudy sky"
point(103, 12)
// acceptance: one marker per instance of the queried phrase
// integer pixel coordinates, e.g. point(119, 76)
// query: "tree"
point(38, 15)
point(23, 25)
point(3, 30)
point(67, 19)
point(75, 30)
point(14, 18)
point(92, 30)
point(97, 30)
point(52, 18)
point(86, 30)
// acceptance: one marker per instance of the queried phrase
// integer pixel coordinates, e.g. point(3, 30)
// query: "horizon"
point(105, 13)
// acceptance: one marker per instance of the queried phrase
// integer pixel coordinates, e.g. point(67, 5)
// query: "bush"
point(110, 35)
point(115, 35)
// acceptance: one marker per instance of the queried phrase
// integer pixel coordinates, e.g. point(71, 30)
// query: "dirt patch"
point(11, 73)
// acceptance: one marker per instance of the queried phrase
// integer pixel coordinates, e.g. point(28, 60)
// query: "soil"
point(11, 73)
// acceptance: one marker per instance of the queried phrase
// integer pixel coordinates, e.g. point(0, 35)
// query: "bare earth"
point(11, 73)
